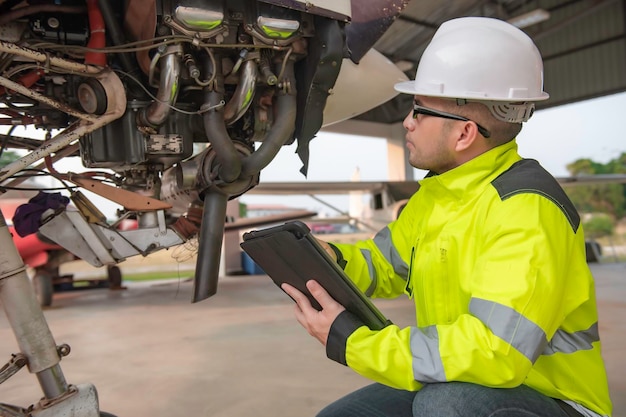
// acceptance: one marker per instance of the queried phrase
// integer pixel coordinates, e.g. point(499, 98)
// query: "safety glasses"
point(417, 110)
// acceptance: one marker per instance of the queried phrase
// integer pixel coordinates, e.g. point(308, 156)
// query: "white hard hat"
point(481, 59)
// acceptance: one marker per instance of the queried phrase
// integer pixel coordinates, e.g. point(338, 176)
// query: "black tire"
point(114, 274)
point(105, 414)
point(593, 251)
point(44, 288)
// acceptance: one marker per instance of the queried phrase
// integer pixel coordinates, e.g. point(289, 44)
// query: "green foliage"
point(586, 166)
point(598, 225)
point(7, 157)
point(603, 198)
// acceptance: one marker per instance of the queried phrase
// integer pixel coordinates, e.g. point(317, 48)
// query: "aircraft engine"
point(184, 101)
point(230, 82)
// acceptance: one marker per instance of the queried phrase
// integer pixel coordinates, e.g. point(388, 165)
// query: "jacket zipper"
point(408, 289)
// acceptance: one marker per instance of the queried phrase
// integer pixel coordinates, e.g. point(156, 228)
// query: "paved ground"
point(150, 352)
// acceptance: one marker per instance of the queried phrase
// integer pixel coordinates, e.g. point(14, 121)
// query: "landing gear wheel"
point(42, 284)
point(115, 277)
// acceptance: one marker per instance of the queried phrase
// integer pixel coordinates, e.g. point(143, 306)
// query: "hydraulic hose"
point(116, 34)
point(97, 35)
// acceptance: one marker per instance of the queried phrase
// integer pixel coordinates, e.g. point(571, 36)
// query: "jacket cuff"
point(340, 260)
point(344, 325)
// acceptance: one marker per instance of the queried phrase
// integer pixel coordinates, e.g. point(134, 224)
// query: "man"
point(490, 248)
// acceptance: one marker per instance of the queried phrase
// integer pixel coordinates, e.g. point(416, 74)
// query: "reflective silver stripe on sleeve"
point(564, 342)
point(385, 246)
point(367, 255)
point(583, 410)
point(510, 326)
point(427, 364)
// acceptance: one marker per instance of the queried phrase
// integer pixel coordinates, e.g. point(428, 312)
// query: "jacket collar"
point(472, 176)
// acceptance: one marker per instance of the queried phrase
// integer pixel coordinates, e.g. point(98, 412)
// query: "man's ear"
point(467, 136)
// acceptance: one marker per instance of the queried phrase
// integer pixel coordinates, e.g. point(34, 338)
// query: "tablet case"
point(289, 253)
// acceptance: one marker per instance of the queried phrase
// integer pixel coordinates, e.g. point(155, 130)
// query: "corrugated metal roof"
point(583, 44)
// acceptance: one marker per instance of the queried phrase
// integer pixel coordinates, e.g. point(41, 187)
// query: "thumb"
point(326, 246)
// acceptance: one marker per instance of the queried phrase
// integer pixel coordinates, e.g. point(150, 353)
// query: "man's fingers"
point(320, 294)
point(317, 291)
point(301, 300)
point(317, 323)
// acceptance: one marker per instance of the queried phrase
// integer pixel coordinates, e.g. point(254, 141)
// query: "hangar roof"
point(582, 42)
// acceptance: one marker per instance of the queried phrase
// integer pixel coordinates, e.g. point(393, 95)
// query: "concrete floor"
point(150, 352)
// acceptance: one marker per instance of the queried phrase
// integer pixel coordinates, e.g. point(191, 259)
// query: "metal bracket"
point(80, 401)
point(17, 362)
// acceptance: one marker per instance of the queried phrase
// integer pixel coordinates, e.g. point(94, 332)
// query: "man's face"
point(430, 139)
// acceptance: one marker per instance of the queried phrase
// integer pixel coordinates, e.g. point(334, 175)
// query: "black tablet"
point(289, 253)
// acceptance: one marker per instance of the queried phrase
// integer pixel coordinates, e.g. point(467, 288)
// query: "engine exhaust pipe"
point(156, 114)
point(229, 163)
point(231, 168)
point(210, 245)
point(281, 131)
point(242, 98)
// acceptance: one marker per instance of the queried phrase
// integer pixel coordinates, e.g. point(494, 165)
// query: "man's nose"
point(409, 122)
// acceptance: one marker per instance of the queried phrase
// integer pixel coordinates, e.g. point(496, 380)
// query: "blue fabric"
point(449, 399)
point(374, 400)
point(27, 217)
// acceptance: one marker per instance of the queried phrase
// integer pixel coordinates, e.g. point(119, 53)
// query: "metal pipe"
point(116, 105)
point(210, 245)
point(156, 114)
point(280, 132)
point(67, 151)
point(26, 318)
point(228, 160)
point(243, 95)
point(47, 60)
point(52, 382)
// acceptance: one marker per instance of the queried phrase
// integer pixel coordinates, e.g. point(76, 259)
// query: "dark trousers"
point(451, 399)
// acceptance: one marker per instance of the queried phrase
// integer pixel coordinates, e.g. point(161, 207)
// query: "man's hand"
point(327, 248)
point(317, 323)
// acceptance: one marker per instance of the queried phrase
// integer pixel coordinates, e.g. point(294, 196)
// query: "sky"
point(555, 137)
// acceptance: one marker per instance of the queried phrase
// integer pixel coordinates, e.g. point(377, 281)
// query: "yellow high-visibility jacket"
point(493, 254)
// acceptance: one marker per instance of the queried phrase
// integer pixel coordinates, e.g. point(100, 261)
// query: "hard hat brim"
point(408, 87)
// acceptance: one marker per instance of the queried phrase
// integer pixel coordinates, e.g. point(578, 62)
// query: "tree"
point(598, 225)
point(7, 157)
point(602, 198)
